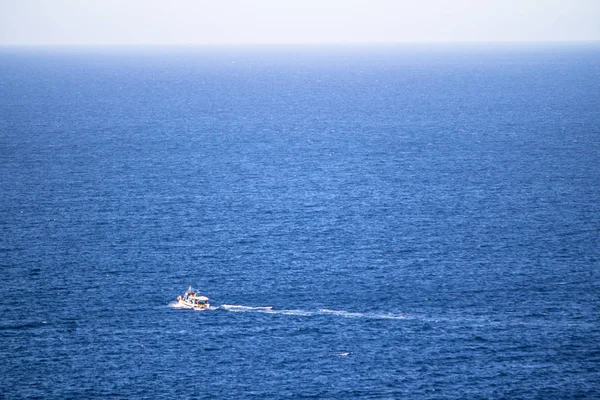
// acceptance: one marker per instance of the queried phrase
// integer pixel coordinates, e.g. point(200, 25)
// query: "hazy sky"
point(294, 21)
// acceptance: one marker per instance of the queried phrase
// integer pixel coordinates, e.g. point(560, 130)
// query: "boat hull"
point(184, 304)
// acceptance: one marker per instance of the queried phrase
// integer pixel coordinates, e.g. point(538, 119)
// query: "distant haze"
point(113, 22)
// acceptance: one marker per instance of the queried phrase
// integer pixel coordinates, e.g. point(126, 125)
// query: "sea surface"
point(424, 222)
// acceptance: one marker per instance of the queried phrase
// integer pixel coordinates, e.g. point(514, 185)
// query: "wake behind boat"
point(192, 299)
point(237, 307)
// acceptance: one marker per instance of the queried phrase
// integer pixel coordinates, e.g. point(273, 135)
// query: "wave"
point(344, 354)
point(24, 325)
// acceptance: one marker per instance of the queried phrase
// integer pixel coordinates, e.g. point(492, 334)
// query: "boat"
point(192, 299)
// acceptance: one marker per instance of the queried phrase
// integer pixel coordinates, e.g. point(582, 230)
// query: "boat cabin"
point(198, 300)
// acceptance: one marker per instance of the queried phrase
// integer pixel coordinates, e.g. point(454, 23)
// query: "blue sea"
point(423, 220)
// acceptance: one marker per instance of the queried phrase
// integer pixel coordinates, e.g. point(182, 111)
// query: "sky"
point(185, 22)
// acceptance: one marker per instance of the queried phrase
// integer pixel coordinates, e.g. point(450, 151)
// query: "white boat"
point(192, 299)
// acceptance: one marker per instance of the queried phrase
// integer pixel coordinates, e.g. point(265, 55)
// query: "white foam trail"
point(341, 313)
point(266, 310)
point(233, 307)
point(301, 313)
point(308, 313)
point(347, 314)
point(175, 304)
